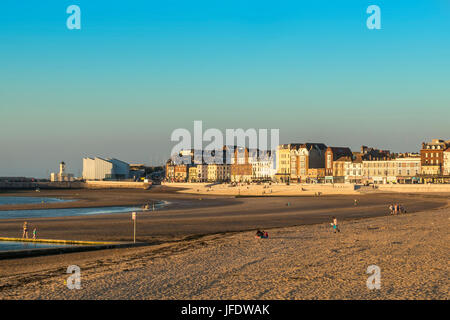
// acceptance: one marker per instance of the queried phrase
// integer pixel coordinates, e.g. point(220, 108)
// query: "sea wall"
point(264, 190)
point(115, 184)
point(305, 189)
point(73, 185)
point(414, 187)
point(41, 185)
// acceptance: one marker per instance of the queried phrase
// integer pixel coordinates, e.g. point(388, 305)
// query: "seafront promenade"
point(280, 189)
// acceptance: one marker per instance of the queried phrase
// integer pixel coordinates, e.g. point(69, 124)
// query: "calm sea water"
point(29, 200)
point(17, 245)
point(45, 213)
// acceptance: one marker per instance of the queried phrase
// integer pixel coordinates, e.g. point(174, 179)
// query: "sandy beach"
point(204, 248)
point(304, 262)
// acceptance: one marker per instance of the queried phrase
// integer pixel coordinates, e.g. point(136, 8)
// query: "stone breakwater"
point(73, 185)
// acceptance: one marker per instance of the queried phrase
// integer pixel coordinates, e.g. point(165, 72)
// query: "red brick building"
point(241, 169)
point(432, 157)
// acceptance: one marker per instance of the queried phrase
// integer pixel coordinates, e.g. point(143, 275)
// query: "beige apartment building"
point(284, 161)
point(202, 172)
point(399, 170)
point(311, 162)
point(192, 176)
point(353, 171)
point(294, 162)
point(335, 163)
point(300, 162)
point(170, 171)
point(447, 162)
point(219, 172)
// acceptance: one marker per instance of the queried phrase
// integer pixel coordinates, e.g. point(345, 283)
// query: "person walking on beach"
point(402, 209)
point(391, 209)
point(335, 225)
point(25, 230)
point(34, 233)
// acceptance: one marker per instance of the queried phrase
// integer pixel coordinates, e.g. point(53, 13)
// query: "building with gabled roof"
point(335, 158)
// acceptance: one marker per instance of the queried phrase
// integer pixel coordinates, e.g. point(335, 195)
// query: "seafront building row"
point(315, 163)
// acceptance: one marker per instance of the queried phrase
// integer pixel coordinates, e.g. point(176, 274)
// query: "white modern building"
point(105, 169)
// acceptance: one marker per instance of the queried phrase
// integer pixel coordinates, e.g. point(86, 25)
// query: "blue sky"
point(137, 70)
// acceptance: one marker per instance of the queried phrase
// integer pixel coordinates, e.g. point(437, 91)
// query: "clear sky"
point(137, 70)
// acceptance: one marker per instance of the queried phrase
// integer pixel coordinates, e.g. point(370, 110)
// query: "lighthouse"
point(62, 169)
point(62, 175)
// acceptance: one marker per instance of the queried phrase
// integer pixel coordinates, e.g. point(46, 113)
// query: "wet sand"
point(303, 262)
point(191, 216)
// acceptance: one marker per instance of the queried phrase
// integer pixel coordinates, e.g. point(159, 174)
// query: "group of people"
point(262, 234)
point(396, 209)
point(25, 231)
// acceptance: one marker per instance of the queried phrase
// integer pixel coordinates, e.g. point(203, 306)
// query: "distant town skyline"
point(132, 74)
point(76, 167)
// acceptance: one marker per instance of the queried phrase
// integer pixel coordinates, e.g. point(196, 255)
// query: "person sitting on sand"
point(25, 230)
point(259, 234)
point(262, 234)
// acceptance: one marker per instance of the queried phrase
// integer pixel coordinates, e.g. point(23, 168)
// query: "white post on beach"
point(133, 216)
